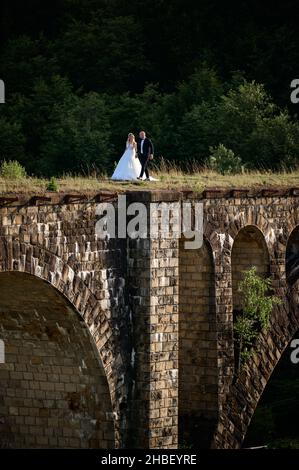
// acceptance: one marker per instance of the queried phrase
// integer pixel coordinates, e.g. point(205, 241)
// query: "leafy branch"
point(256, 312)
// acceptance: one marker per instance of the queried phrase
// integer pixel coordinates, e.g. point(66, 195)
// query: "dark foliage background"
point(81, 74)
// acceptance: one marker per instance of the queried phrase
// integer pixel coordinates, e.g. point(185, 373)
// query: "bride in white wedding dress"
point(129, 166)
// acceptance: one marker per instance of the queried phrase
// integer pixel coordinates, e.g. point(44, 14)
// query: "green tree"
point(24, 61)
point(143, 111)
point(34, 113)
point(224, 160)
point(12, 140)
point(78, 138)
point(276, 140)
point(246, 120)
point(199, 131)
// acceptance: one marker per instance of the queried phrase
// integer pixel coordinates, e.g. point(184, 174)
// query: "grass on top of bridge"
point(167, 180)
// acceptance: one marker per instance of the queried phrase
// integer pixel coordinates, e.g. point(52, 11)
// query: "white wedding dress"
point(128, 167)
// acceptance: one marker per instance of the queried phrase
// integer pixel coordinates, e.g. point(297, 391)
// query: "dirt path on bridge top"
point(172, 180)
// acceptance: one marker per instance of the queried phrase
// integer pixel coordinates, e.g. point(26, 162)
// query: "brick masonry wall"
point(198, 373)
point(276, 217)
point(249, 250)
point(53, 392)
point(153, 277)
point(57, 242)
point(127, 292)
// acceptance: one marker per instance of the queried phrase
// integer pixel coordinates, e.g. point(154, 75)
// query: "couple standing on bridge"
point(133, 164)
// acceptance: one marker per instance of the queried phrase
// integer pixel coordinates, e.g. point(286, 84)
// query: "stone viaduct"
point(129, 342)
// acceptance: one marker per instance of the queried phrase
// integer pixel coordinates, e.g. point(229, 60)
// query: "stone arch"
point(198, 372)
point(292, 257)
point(276, 415)
point(244, 395)
point(249, 250)
point(36, 260)
point(54, 388)
point(221, 237)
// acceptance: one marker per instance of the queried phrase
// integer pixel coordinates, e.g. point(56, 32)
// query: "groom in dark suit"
point(145, 152)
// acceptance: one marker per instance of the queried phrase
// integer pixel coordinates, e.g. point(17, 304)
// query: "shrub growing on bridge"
point(224, 161)
point(255, 315)
point(12, 170)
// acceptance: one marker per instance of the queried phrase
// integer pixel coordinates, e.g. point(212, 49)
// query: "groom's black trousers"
point(144, 161)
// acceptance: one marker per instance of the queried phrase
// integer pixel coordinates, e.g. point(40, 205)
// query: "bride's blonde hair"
point(134, 141)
